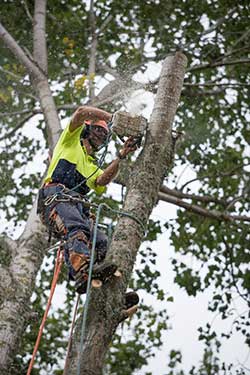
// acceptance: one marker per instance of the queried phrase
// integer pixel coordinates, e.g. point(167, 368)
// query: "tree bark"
point(105, 306)
point(39, 40)
point(93, 50)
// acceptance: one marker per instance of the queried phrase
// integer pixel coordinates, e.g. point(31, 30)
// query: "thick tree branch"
point(27, 11)
point(214, 27)
point(19, 278)
point(117, 88)
point(179, 194)
point(39, 39)
point(218, 64)
point(13, 75)
point(215, 84)
point(221, 216)
point(228, 173)
point(19, 52)
point(245, 35)
point(40, 83)
point(18, 126)
point(106, 68)
point(218, 22)
point(104, 24)
point(17, 113)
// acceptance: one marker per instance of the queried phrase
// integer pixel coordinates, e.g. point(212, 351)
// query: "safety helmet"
point(101, 123)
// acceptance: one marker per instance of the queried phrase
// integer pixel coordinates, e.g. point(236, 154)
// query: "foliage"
point(213, 113)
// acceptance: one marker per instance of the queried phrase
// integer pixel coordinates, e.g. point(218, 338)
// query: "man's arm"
point(112, 169)
point(87, 113)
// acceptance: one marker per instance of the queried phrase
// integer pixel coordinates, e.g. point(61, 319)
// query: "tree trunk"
point(145, 181)
point(50, 113)
point(23, 259)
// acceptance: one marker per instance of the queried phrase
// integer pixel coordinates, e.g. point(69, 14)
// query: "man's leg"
point(77, 234)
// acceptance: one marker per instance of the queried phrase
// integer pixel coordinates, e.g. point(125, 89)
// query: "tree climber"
point(71, 175)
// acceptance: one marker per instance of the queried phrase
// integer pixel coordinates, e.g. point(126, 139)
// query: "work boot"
point(131, 299)
point(100, 274)
point(130, 305)
point(79, 263)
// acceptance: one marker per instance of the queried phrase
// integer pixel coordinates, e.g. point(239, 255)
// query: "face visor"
point(98, 133)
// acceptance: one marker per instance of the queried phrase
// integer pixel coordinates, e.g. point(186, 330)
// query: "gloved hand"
point(129, 146)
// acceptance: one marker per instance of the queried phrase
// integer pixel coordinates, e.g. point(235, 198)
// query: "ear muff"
point(86, 131)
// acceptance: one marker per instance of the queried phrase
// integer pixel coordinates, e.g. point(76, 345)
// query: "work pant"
point(70, 221)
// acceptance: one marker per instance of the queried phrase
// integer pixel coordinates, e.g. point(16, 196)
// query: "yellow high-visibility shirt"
point(71, 165)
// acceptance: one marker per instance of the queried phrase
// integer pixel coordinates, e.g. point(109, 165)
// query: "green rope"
point(84, 318)
point(92, 259)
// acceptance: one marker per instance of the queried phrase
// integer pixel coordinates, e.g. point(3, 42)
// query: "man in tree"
point(72, 173)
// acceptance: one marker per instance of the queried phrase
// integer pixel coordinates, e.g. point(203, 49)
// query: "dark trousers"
point(70, 221)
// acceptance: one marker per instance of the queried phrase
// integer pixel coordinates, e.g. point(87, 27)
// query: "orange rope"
point(58, 265)
point(71, 334)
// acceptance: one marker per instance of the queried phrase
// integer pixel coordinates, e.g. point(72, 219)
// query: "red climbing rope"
point(57, 269)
